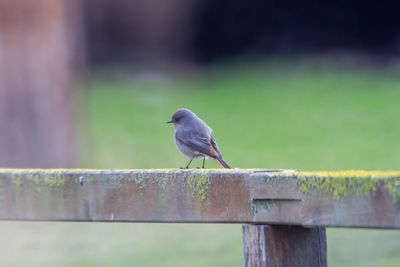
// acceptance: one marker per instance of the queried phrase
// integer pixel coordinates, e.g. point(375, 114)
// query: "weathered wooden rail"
point(285, 212)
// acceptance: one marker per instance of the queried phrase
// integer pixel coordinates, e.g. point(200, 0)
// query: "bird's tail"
point(223, 163)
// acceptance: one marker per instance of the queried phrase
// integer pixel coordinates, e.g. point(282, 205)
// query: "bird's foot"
point(183, 168)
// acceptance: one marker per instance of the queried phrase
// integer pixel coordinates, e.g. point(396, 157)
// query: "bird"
point(193, 137)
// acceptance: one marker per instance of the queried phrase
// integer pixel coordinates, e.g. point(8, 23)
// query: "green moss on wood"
point(140, 179)
point(342, 184)
point(265, 205)
point(199, 184)
point(35, 180)
point(53, 180)
point(16, 179)
point(393, 187)
point(338, 184)
point(162, 182)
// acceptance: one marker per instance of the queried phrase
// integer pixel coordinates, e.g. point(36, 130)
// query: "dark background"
point(207, 31)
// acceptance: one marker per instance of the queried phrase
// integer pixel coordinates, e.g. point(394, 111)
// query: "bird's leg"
point(187, 166)
point(204, 160)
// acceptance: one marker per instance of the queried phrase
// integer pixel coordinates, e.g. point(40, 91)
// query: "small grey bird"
point(193, 137)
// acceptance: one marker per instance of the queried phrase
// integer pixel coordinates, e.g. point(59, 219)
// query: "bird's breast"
point(185, 150)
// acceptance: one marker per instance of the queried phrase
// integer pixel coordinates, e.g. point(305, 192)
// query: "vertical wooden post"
point(274, 246)
point(36, 82)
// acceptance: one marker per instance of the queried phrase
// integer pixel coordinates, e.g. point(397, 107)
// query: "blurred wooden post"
point(36, 52)
point(274, 246)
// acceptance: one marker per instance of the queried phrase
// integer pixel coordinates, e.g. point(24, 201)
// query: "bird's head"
point(181, 115)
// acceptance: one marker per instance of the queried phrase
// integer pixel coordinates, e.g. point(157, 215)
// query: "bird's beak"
point(169, 121)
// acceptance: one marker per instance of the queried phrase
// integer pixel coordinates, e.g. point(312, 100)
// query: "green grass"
point(303, 115)
point(119, 244)
point(308, 119)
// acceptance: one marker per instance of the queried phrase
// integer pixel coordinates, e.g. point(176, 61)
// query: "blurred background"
point(90, 84)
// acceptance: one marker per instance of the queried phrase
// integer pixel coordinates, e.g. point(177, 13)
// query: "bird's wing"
point(202, 145)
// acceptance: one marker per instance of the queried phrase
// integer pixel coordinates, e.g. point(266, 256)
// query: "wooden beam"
point(345, 199)
point(275, 246)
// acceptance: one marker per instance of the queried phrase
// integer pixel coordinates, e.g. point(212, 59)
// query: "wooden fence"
point(284, 212)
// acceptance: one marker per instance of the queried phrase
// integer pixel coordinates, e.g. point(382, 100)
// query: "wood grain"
point(276, 246)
